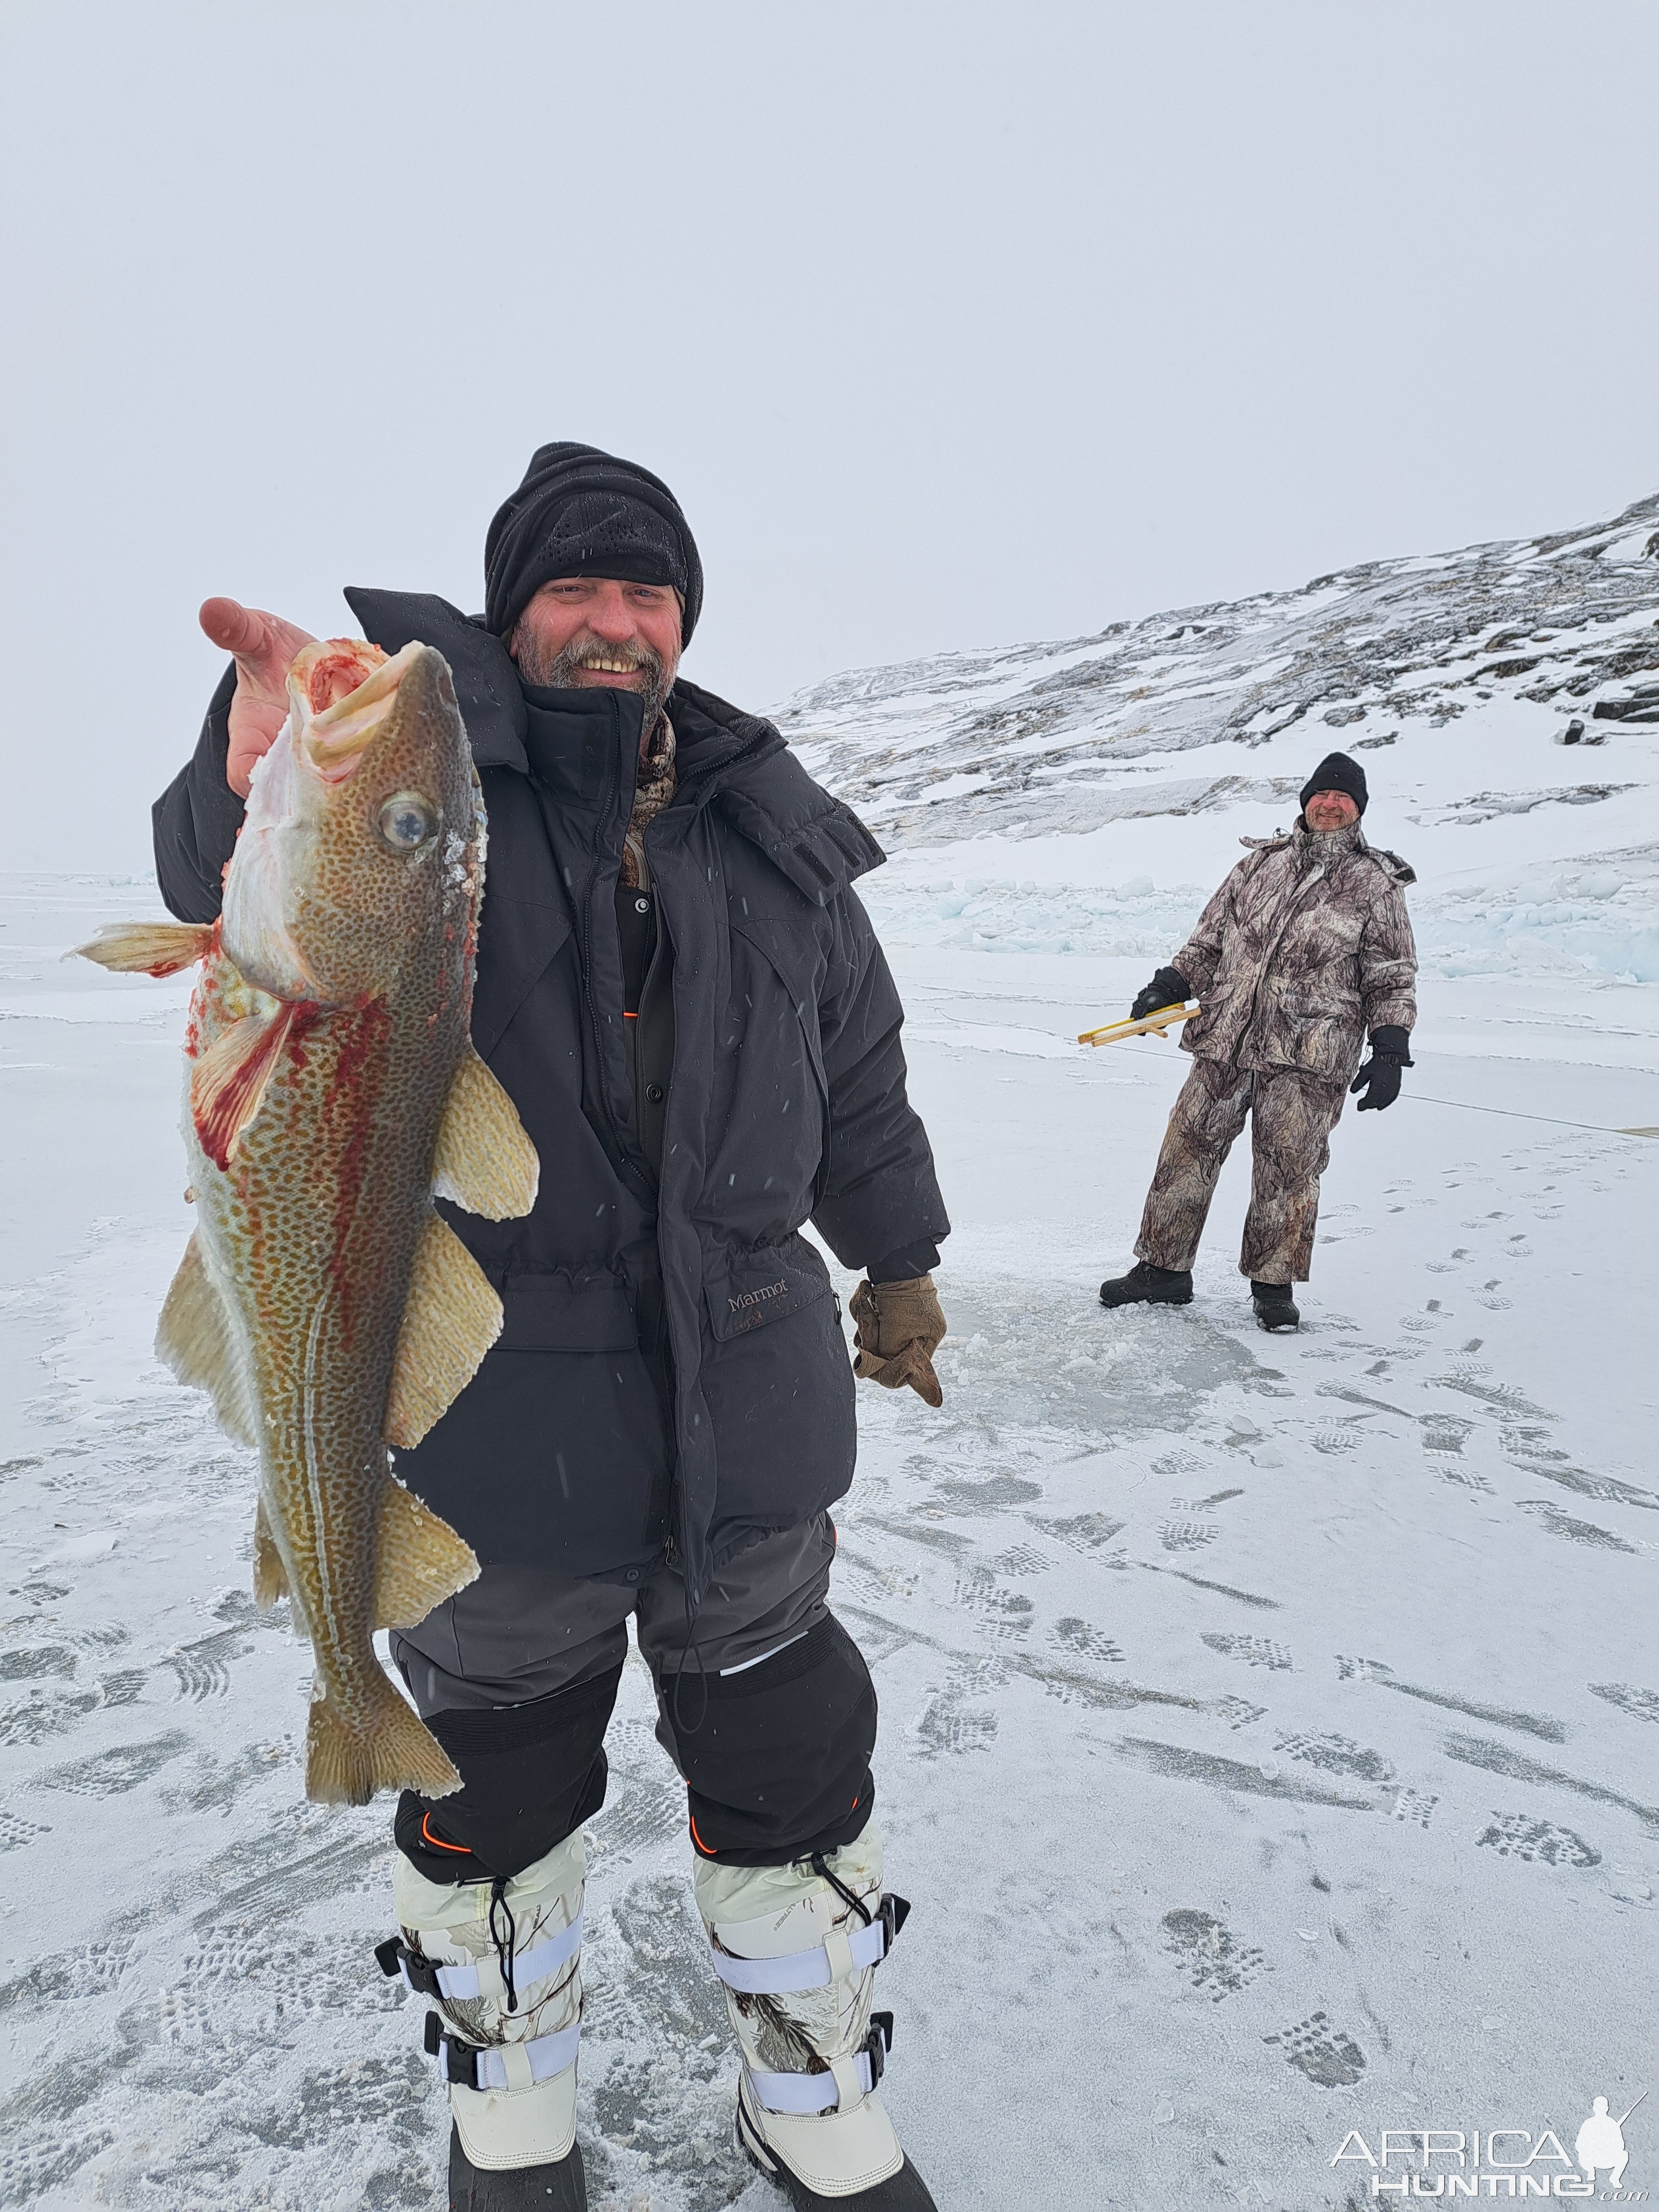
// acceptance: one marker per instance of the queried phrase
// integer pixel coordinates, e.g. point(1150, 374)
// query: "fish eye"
point(407, 822)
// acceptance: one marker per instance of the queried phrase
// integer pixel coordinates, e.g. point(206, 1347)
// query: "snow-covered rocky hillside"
point(1270, 1724)
point(1074, 797)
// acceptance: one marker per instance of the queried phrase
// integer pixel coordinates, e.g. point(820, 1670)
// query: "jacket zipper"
point(1290, 915)
point(613, 784)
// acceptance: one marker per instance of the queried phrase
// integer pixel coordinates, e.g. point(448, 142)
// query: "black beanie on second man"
point(1336, 772)
point(582, 513)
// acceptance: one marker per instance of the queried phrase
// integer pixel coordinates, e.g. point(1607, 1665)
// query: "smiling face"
point(581, 632)
point(1329, 810)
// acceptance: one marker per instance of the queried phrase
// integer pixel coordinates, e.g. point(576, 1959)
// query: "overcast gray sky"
point(951, 325)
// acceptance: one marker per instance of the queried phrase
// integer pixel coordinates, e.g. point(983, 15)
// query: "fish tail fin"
point(422, 1560)
point(345, 1765)
point(149, 948)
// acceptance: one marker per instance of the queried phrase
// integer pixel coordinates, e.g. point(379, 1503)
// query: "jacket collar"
point(1326, 845)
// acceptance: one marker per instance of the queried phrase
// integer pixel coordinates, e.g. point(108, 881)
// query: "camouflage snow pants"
point(1292, 1116)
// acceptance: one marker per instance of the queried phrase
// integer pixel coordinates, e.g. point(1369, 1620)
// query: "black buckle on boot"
point(395, 1958)
point(892, 1913)
point(460, 2060)
point(877, 2045)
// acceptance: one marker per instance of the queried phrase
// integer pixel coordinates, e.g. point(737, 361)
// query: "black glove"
point(1169, 987)
point(1379, 1078)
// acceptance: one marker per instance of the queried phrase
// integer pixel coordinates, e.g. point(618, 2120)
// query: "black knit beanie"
point(582, 513)
point(1336, 772)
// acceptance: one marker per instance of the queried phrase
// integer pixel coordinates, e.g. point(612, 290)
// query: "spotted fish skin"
point(331, 1089)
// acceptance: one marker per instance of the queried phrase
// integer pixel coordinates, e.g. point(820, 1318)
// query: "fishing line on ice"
point(1602, 1129)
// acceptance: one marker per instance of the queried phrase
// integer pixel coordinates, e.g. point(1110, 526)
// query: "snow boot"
point(1146, 1284)
point(1275, 1308)
point(502, 1962)
point(797, 1948)
point(558, 2188)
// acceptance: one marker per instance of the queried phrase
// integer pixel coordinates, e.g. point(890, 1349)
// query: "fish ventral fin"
point(422, 1560)
point(193, 1338)
point(228, 1082)
point(270, 1575)
point(393, 1749)
point(452, 1319)
point(149, 948)
point(485, 1160)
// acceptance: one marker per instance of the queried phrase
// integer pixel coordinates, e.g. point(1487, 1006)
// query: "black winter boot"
point(1276, 1308)
point(560, 2187)
point(903, 2191)
point(1146, 1284)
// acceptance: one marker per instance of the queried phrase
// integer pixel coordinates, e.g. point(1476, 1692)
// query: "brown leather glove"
point(899, 1328)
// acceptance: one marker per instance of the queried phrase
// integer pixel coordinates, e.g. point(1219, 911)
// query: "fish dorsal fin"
point(422, 1560)
point(452, 1319)
point(485, 1160)
point(150, 948)
point(193, 1339)
point(228, 1082)
point(270, 1575)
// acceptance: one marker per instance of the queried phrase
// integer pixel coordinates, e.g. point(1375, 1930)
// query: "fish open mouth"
point(342, 692)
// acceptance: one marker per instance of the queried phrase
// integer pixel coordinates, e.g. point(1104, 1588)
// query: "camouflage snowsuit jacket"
point(1302, 952)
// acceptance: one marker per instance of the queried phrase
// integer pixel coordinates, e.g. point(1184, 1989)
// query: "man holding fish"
point(678, 991)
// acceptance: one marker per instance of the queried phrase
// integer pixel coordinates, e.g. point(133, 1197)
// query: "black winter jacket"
point(672, 1379)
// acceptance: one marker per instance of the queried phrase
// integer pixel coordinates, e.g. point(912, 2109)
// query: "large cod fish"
point(332, 1090)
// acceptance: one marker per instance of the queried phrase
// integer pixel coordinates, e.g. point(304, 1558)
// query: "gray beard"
point(559, 673)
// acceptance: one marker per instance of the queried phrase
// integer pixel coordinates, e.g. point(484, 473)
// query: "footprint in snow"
point(1415, 1807)
point(1575, 1532)
point(1329, 2057)
point(1253, 1650)
point(111, 1773)
point(1335, 1437)
point(1516, 1836)
point(1337, 1754)
point(1643, 1703)
point(15, 1832)
point(1210, 1955)
point(1075, 1634)
point(1186, 1536)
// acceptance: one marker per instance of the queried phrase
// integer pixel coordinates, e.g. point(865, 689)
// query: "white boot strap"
point(483, 1978)
point(849, 2078)
point(847, 2081)
point(507, 2065)
point(837, 1958)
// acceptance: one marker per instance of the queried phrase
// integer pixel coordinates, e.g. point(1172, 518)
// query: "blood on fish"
point(335, 676)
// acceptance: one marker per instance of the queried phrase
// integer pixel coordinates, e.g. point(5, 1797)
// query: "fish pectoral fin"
point(392, 1749)
point(193, 1339)
point(270, 1575)
point(228, 1082)
point(149, 948)
point(452, 1319)
point(485, 1160)
point(422, 1560)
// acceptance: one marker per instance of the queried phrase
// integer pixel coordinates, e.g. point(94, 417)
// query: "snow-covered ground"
point(1270, 1726)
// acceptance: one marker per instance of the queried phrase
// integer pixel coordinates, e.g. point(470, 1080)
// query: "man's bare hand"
point(264, 646)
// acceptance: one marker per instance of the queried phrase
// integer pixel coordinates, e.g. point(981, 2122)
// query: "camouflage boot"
point(797, 1948)
point(501, 1961)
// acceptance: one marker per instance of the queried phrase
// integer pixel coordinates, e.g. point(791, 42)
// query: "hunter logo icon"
point(1600, 2141)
